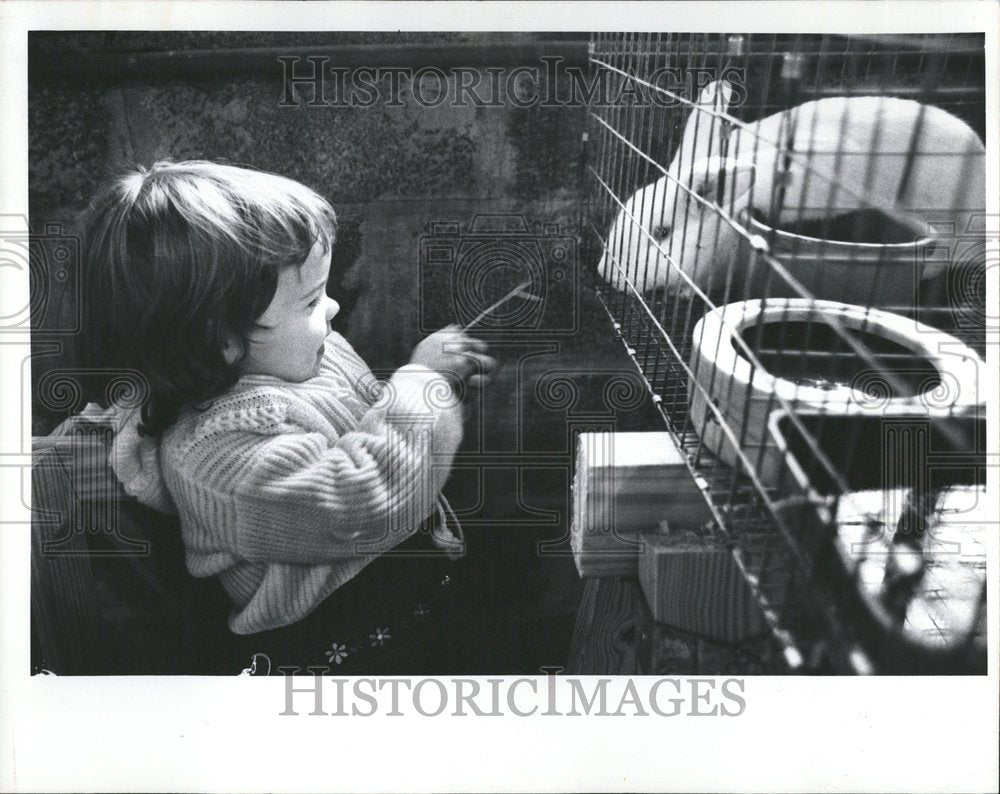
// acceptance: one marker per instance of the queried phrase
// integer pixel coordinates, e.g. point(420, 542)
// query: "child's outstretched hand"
point(452, 350)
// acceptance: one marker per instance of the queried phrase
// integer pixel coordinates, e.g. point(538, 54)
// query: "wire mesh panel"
point(789, 235)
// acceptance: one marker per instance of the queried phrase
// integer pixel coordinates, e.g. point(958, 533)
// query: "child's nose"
point(332, 307)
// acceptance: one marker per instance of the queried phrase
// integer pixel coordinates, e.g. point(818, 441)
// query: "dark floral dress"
point(399, 616)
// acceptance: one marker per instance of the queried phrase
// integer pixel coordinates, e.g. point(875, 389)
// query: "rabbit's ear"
point(703, 131)
point(724, 181)
point(716, 95)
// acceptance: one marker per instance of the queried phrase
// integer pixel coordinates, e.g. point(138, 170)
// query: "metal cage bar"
point(786, 230)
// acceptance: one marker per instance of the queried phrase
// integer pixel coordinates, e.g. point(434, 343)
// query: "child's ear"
point(232, 347)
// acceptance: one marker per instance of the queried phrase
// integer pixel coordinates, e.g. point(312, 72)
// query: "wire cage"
point(788, 233)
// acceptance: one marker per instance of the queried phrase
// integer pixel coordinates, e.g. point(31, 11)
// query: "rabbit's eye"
point(661, 233)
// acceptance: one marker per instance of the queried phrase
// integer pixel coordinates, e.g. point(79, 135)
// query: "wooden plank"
point(695, 585)
point(627, 485)
point(604, 636)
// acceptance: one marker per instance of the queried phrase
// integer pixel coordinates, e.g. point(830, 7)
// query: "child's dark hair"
point(179, 257)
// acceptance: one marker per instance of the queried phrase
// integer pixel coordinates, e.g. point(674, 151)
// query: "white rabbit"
point(913, 162)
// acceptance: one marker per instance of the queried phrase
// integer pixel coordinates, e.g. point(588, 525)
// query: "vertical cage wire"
point(786, 231)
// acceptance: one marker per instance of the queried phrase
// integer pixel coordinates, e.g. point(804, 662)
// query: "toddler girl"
point(289, 466)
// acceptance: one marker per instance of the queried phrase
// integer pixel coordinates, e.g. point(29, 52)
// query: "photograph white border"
point(211, 734)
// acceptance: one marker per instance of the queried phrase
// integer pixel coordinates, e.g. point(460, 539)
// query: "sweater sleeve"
point(305, 500)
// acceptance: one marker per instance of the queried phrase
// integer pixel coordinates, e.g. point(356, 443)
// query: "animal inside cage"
point(789, 235)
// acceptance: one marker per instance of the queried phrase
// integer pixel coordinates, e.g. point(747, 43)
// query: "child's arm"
point(304, 500)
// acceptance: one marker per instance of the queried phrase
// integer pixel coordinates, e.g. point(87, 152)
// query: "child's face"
point(290, 345)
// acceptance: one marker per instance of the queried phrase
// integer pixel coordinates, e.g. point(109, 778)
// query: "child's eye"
point(315, 302)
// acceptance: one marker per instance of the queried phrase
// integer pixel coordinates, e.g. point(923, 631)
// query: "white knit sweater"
point(287, 490)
